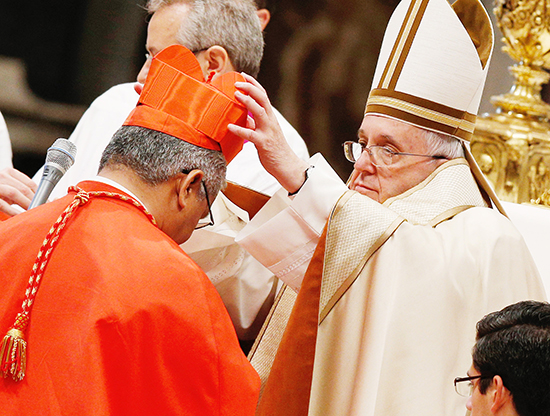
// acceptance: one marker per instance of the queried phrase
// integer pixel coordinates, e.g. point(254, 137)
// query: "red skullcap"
point(177, 100)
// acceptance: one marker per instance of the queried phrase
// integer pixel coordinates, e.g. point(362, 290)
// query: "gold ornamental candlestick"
point(512, 146)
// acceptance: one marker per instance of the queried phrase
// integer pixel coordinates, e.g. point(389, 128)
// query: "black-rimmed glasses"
point(380, 156)
point(464, 385)
point(207, 221)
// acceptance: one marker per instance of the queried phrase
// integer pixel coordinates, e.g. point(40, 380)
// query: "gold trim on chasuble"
point(262, 353)
point(449, 190)
point(359, 220)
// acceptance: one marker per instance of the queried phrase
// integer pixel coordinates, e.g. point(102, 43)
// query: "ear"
point(264, 16)
point(501, 396)
point(188, 186)
point(216, 60)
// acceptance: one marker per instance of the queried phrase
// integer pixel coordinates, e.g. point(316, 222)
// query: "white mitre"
point(432, 69)
point(432, 65)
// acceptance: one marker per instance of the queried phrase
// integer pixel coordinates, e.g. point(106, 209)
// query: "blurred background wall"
point(56, 56)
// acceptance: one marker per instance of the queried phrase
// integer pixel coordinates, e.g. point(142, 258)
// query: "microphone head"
point(62, 154)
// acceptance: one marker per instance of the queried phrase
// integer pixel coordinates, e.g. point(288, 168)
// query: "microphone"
point(59, 158)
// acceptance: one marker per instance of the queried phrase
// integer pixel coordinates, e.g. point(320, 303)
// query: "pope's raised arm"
point(264, 131)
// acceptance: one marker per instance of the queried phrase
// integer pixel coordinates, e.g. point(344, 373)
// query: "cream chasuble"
point(403, 286)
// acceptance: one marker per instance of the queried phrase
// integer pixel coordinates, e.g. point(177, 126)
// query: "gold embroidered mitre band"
point(433, 64)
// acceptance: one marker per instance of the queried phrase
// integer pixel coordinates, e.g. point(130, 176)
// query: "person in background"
point(510, 373)
point(116, 318)
point(204, 23)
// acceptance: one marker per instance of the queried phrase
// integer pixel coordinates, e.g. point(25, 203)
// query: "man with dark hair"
point(117, 319)
point(225, 35)
point(510, 374)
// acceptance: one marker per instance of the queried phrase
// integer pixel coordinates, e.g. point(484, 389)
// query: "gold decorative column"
point(512, 146)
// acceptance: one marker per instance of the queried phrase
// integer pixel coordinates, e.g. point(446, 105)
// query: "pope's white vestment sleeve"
point(284, 234)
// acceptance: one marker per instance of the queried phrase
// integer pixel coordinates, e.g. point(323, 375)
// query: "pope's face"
point(405, 172)
point(162, 32)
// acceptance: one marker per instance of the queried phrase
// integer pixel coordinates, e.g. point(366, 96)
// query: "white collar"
point(118, 186)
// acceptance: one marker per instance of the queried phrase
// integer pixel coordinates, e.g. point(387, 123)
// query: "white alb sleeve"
point(284, 234)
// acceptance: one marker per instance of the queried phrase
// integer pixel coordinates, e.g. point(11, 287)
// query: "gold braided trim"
point(13, 352)
point(13, 355)
point(263, 352)
point(441, 118)
point(16, 333)
point(361, 220)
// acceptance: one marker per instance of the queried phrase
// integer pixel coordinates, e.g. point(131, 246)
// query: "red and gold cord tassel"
point(13, 355)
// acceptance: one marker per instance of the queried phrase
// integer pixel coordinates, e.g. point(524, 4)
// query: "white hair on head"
point(443, 145)
point(231, 24)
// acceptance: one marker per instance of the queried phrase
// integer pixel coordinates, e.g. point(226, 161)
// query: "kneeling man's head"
point(510, 373)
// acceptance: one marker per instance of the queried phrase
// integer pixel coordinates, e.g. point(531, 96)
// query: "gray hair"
point(443, 145)
point(231, 24)
point(157, 157)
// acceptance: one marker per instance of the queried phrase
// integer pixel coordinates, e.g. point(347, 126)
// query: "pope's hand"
point(15, 188)
point(264, 132)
